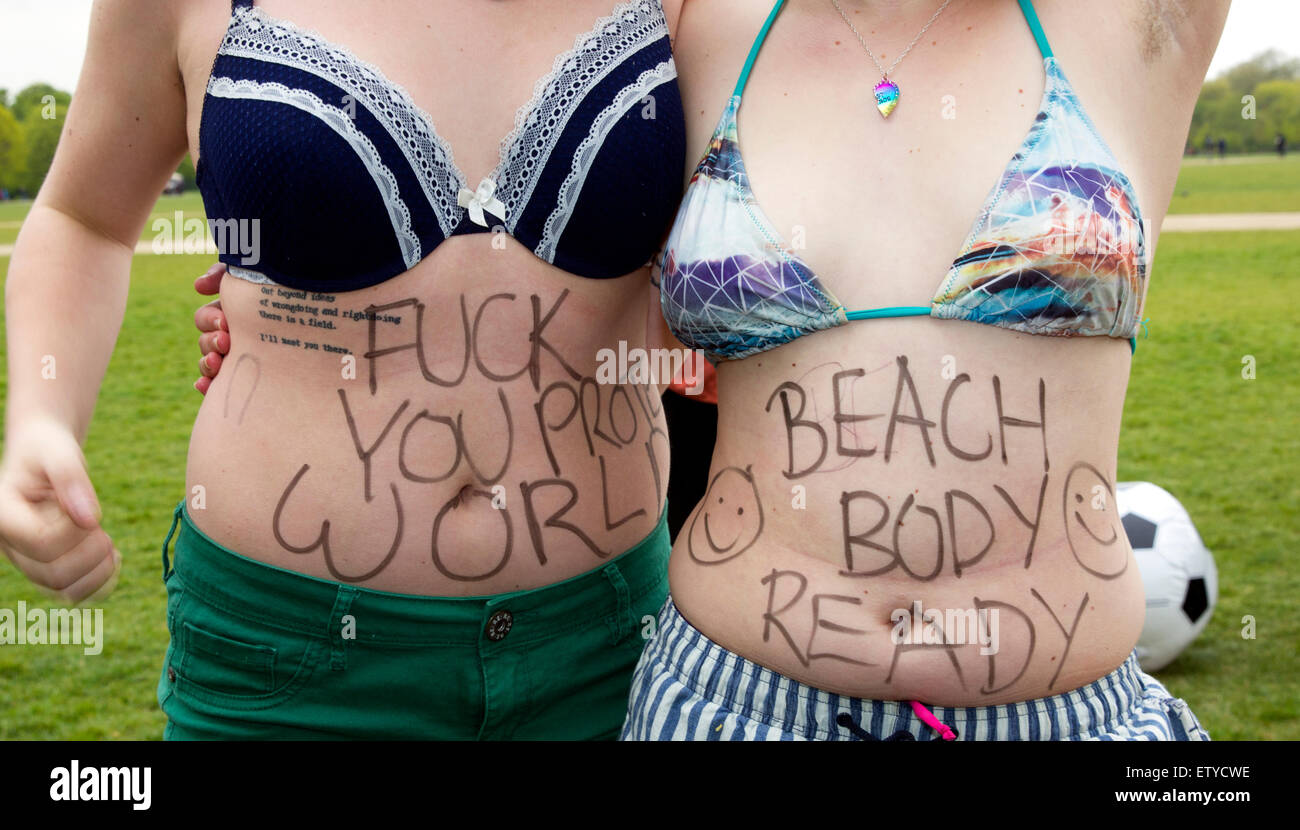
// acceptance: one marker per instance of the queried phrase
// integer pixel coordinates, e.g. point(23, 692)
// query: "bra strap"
point(1031, 17)
point(758, 44)
point(235, 5)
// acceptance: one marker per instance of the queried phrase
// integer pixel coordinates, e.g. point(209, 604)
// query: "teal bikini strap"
point(890, 311)
point(1031, 17)
point(1133, 341)
point(758, 44)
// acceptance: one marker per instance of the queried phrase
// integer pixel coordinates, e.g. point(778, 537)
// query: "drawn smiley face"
point(1091, 520)
point(728, 521)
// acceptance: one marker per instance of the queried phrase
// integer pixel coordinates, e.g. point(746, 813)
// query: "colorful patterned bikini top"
point(349, 183)
point(1058, 248)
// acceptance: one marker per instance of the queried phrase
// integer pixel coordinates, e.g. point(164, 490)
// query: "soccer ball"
point(1178, 573)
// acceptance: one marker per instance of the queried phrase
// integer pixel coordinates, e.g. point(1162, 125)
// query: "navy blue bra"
point(349, 183)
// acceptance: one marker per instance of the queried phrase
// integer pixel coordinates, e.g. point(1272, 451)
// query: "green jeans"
point(259, 652)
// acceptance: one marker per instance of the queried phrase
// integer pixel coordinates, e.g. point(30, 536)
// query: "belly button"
point(462, 497)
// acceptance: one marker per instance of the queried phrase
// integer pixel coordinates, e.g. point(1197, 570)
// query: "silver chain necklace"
point(887, 92)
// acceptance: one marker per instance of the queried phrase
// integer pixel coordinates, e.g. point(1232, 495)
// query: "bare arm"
point(672, 9)
point(1176, 40)
point(66, 290)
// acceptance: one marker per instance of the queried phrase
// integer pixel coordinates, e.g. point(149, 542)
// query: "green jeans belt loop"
point(622, 623)
point(342, 605)
point(176, 519)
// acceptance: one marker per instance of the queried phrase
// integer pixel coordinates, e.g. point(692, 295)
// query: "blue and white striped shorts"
point(687, 687)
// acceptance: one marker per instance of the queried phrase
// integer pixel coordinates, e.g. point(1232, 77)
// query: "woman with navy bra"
point(921, 289)
point(419, 503)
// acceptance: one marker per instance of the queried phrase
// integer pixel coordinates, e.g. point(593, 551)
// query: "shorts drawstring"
point(927, 717)
point(845, 720)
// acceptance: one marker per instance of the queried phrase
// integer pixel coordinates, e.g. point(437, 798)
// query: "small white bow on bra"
point(481, 199)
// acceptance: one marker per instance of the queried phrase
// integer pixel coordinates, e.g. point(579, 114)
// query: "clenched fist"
point(49, 515)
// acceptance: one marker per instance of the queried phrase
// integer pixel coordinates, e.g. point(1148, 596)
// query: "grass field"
point(1227, 447)
point(1238, 184)
point(136, 451)
point(1224, 445)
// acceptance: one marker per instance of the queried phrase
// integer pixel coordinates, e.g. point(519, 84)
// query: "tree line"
point(30, 126)
point(31, 123)
point(1246, 107)
point(1249, 105)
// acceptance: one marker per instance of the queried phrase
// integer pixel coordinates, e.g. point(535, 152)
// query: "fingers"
point(40, 531)
point(209, 365)
point(214, 341)
point(77, 573)
point(210, 317)
point(210, 282)
point(98, 583)
point(107, 587)
point(65, 468)
point(49, 514)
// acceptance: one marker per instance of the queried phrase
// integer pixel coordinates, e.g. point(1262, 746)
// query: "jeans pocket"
point(223, 664)
point(220, 659)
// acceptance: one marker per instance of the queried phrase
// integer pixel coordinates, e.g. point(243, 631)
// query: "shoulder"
point(672, 11)
point(713, 37)
point(149, 19)
point(707, 24)
point(718, 32)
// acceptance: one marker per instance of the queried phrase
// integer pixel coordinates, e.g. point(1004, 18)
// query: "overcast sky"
point(43, 40)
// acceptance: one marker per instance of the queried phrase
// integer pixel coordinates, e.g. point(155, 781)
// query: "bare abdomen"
point(433, 435)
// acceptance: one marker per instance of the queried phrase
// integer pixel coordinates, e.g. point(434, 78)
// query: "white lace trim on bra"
point(540, 122)
point(587, 151)
point(524, 152)
point(337, 120)
point(253, 34)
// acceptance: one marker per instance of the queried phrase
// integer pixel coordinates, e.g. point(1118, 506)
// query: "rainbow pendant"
point(886, 96)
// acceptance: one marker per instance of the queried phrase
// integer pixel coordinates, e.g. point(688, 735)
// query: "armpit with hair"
point(1159, 23)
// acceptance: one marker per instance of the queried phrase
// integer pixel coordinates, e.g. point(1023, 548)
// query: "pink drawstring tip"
point(928, 718)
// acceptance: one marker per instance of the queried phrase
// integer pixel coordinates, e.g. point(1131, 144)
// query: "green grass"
point(136, 451)
point(15, 210)
point(1238, 184)
point(1225, 446)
